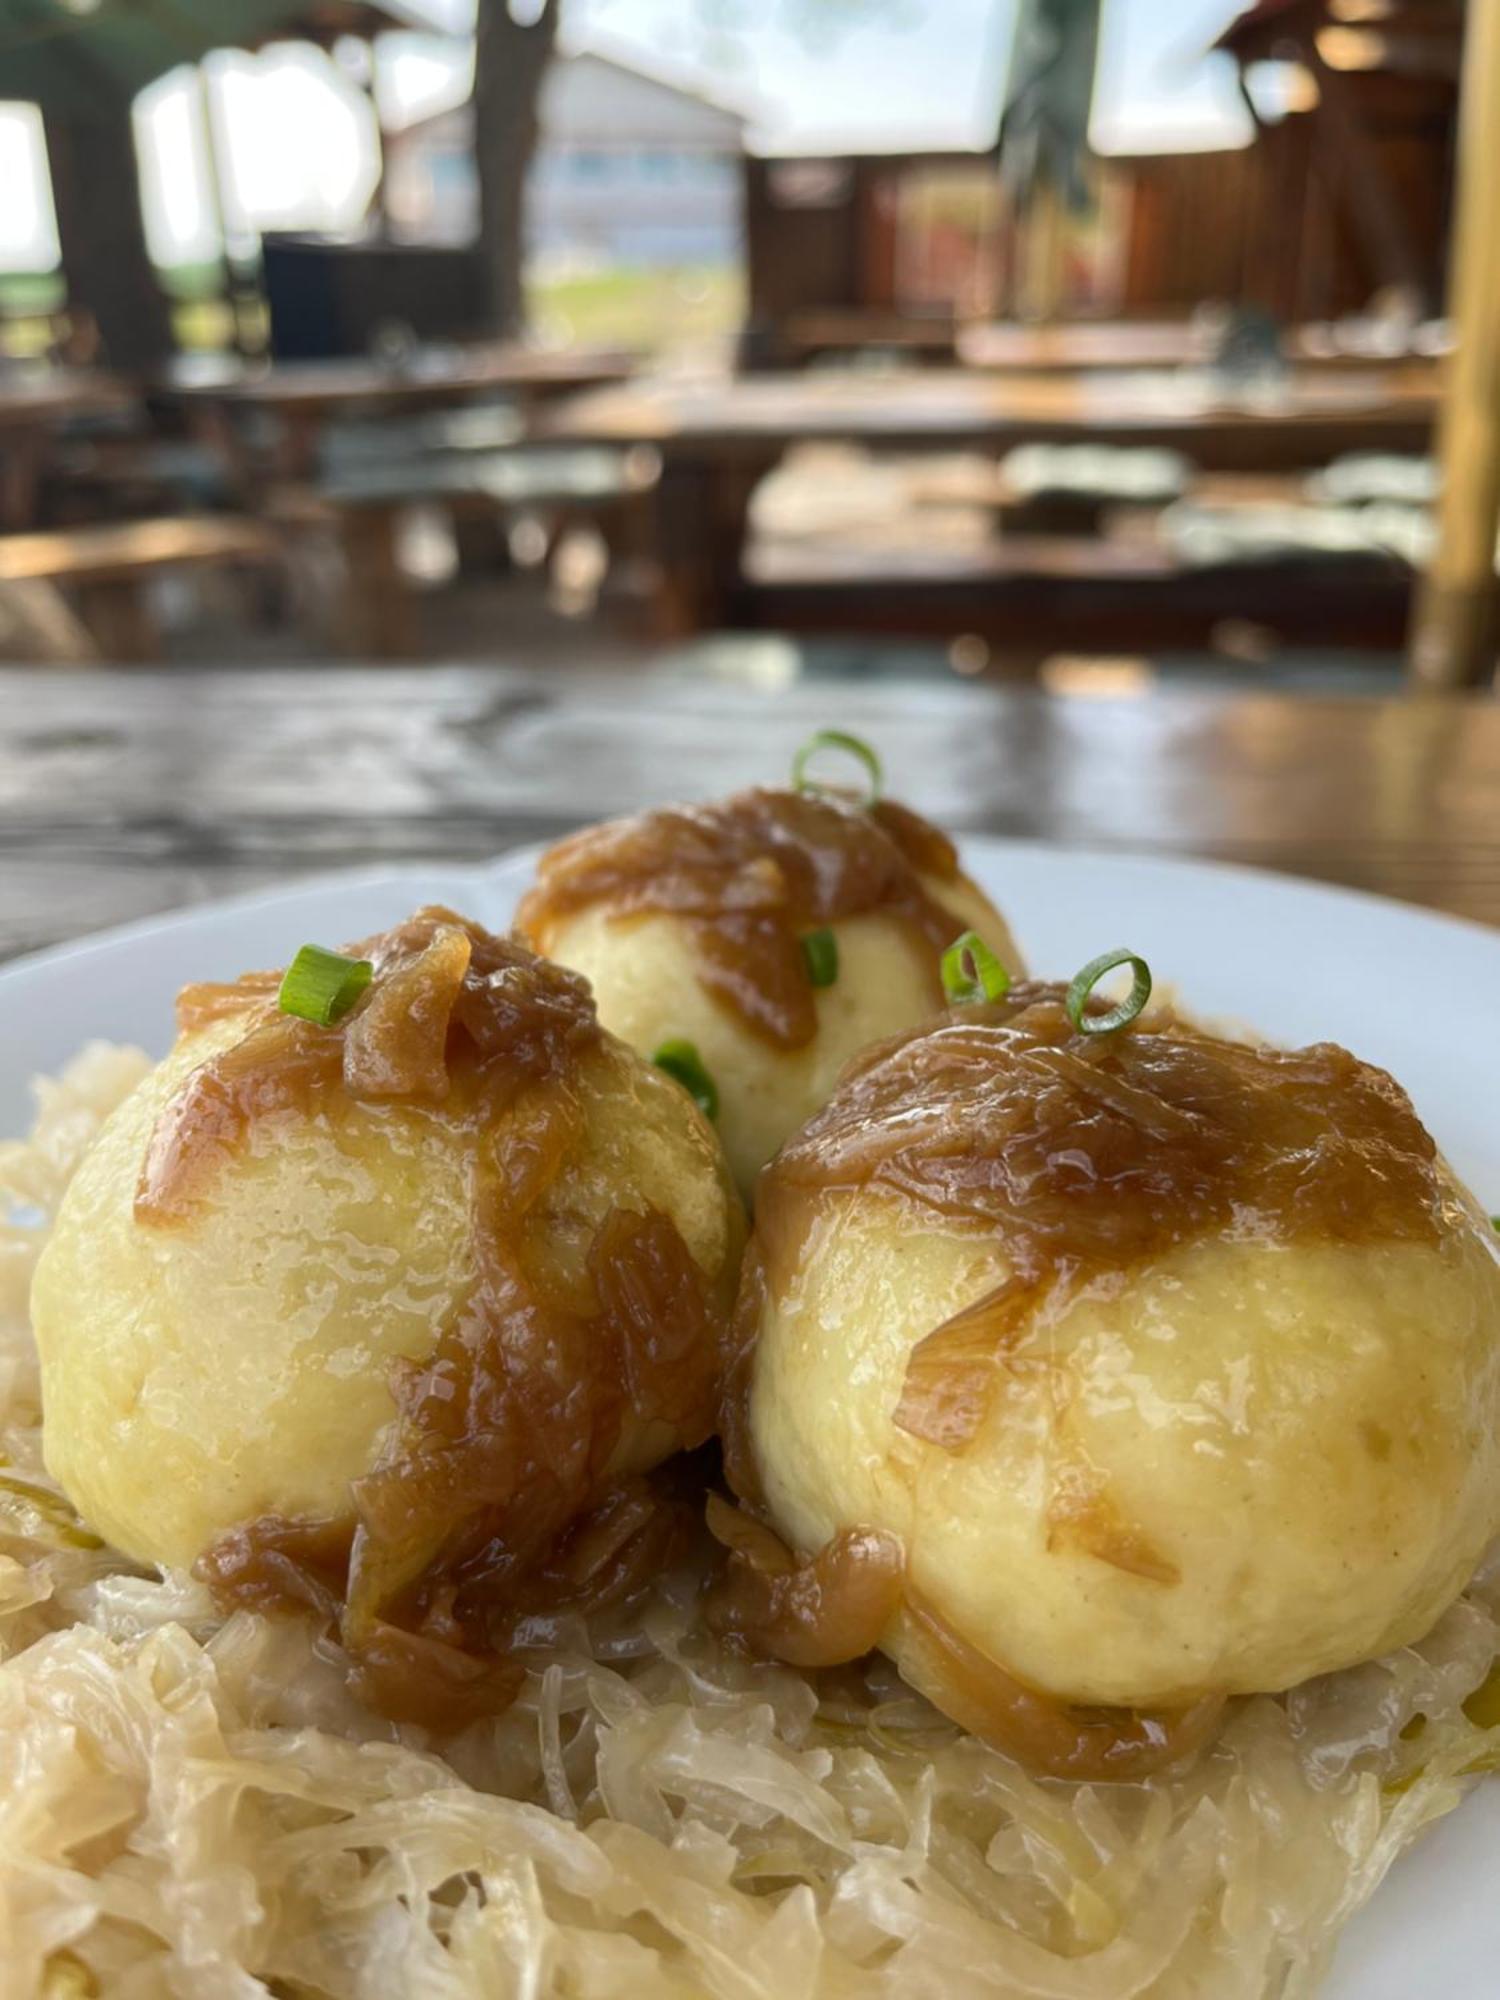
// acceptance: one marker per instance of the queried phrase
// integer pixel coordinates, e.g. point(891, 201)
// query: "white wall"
point(628, 172)
point(587, 101)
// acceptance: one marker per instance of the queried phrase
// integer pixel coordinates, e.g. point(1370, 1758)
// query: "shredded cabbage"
point(191, 1806)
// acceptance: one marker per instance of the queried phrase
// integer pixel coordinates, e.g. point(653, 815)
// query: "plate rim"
point(1298, 887)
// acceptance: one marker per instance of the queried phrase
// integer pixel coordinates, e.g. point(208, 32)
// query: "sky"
point(822, 75)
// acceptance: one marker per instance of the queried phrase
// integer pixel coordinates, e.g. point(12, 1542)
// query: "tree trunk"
point(510, 60)
point(96, 190)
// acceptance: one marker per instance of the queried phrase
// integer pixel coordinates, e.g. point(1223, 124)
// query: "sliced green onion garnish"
point(852, 746)
point(820, 954)
point(1117, 1017)
point(684, 1065)
point(321, 986)
point(971, 971)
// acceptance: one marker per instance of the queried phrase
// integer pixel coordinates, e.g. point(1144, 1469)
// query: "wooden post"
point(96, 192)
point(512, 48)
point(1453, 633)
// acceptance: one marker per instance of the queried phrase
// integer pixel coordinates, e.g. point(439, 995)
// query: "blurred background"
point(1095, 343)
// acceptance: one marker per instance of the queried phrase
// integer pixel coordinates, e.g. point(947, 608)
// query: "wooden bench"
point(608, 487)
point(1031, 596)
point(109, 567)
point(1072, 490)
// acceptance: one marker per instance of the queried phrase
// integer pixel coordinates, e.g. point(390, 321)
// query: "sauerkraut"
point(191, 1806)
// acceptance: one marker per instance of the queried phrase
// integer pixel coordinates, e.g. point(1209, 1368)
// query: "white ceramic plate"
point(1409, 990)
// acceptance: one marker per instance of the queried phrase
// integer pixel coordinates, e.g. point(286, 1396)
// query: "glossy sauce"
point(819, 1612)
point(1086, 1156)
point(838, 1605)
point(750, 876)
point(493, 1505)
point(1081, 1157)
point(1053, 1737)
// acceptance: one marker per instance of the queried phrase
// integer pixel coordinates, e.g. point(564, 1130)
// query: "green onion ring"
point(820, 954)
point(852, 746)
point(1119, 1016)
point(321, 986)
point(971, 972)
point(681, 1061)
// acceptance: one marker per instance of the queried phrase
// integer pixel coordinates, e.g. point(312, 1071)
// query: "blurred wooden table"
point(844, 330)
point(123, 794)
point(718, 438)
point(1303, 421)
point(1062, 346)
point(305, 395)
point(1014, 346)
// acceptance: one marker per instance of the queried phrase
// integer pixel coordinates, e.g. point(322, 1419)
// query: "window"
point(1159, 87)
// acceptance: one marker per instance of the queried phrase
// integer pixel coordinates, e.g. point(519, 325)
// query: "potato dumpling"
point(296, 1251)
point(1172, 1364)
point(707, 924)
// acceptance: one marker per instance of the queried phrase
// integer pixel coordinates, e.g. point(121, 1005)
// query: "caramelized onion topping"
point(1083, 1157)
point(750, 875)
point(835, 1606)
point(493, 1505)
point(452, 1015)
point(1048, 1736)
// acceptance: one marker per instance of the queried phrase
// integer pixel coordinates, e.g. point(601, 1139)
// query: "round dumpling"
point(1171, 1365)
point(365, 1308)
point(776, 933)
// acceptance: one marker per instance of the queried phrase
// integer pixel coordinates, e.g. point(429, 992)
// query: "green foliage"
point(649, 310)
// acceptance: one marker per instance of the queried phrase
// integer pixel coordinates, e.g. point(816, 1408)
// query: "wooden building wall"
point(1272, 224)
point(800, 254)
point(1269, 224)
point(820, 234)
point(1231, 225)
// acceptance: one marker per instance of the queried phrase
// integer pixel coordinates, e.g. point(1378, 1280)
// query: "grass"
point(649, 310)
point(27, 293)
point(29, 299)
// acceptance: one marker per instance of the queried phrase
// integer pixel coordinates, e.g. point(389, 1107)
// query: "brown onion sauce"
point(493, 1506)
point(1060, 1739)
point(750, 875)
point(1082, 1157)
point(823, 1612)
point(1085, 1156)
point(839, 1604)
